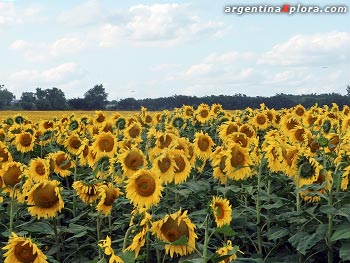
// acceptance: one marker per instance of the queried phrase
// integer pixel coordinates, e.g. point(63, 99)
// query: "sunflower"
point(290, 158)
point(24, 142)
point(237, 162)
point(227, 250)
point(298, 135)
point(222, 211)
point(260, 121)
point(22, 250)
point(345, 178)
point(299, 111)
point(45, 200)
point(215, 109)
point(62, 163)
point(73, 144)
point(203, 113)
point(144, 188)
point(99, 118)
point(274, 156)
point(2, 135)
point(182, 167)
point(187, 111)
point(131, 160)
point(11, 174)
point(87, 192)
point(178, 121)
point(325, 180)
point(288, 123)
point(84, 153)
point(5, 155)
point(108, 194)
point(227, 128)
point(105, 144)
point(248, 130)
point(218, 163)
point(106, 245)
point(164, 166)
point(133, 131)
point(308, 170)
point(203, 145)
point(171, 228)
point(39, 169)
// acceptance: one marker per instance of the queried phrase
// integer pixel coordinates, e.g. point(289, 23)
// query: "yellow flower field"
point(190, 185)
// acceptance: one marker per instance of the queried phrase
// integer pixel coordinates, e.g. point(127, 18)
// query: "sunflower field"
point(193, 185)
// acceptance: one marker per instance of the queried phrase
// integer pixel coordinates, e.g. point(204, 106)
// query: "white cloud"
point(154, 25)
point(65, 76)
point(316, 50)
point(37, 52)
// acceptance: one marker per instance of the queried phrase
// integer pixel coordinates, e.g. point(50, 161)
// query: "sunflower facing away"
point(144, 188)
point(88, 193)
point(226, 250)
point(22, 250)
point(45, 200)
point(222, 211)
point(171, 228)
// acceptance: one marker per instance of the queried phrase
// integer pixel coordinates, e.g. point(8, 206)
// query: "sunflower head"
point(131, 160)
point(25, 142)
point(22, 250)
point(222, 211)
point(108, 194)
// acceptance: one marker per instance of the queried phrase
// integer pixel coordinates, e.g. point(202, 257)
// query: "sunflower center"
point(291, 124)
point(24, 253)
point(111, 195)
point(261, 119)
point(133, 160)
point(45, 196)
point(222, 164)
point(237, 158)
point(180, 164)
point(231, 128)
point(4, 155)
point(145, 185)
point(247, 131)
point(299, 135)
point(219, 211)
point(75, 143)
point(106, 144)
point(203, 143)
point(164, 142)
point(134, 132)
point(12, 176)
point(164, 164)
point(100, 118)
point(148, 119)
point(40, 169)
point(26, 140)
point(62, 162)
point(204, 113)
point(173, 231)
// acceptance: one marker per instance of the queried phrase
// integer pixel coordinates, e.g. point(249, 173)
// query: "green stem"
point(98, 230)
point(12, 205)
point(206, 239)
point(298, 206)
point(54, 221)
point(148, 253)
point(127, 234)
point(268, 195)
point(258, 211)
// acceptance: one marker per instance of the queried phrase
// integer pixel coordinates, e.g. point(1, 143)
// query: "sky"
point(152, 49)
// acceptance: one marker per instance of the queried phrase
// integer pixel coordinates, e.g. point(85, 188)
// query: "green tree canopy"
point(96, 98)
point(50, 99)
point(5, 97)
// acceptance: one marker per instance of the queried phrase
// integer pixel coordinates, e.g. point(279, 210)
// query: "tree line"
point(96, 98)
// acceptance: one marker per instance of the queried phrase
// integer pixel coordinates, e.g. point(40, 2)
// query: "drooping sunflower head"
point(24, 142)
point(164, 166)
point(87, 192)
point(227, 128)
point(108, 194)
point(298, 135)
point(289, 122)
point(203, 145)
point(228, 249)
point(308, 170)
point(144, 188)
point(182, 166)
point(99, 118)
point(222, 211)
point(62, 163)
point(22, 250)
point(324, 179)
point(173, 227)
point(5, 155)
point(45, 200)
point(11, 174)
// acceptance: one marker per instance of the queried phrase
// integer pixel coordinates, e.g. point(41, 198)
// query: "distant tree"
point(50, 99)
point(27, 101)
point(96, 98)
point(77, 103)
point(129, 104)
point(5, 97)
point(348, 90)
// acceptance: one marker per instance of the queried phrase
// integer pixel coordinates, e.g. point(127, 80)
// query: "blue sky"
point(150, 49)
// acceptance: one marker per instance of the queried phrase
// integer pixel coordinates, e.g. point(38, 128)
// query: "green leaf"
point(344, 251)
point(226, 230)
point(276, 232)
point(128, 256)
point(183, 240)
point(40, 227)
point(341, 232)
point(81, 234)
